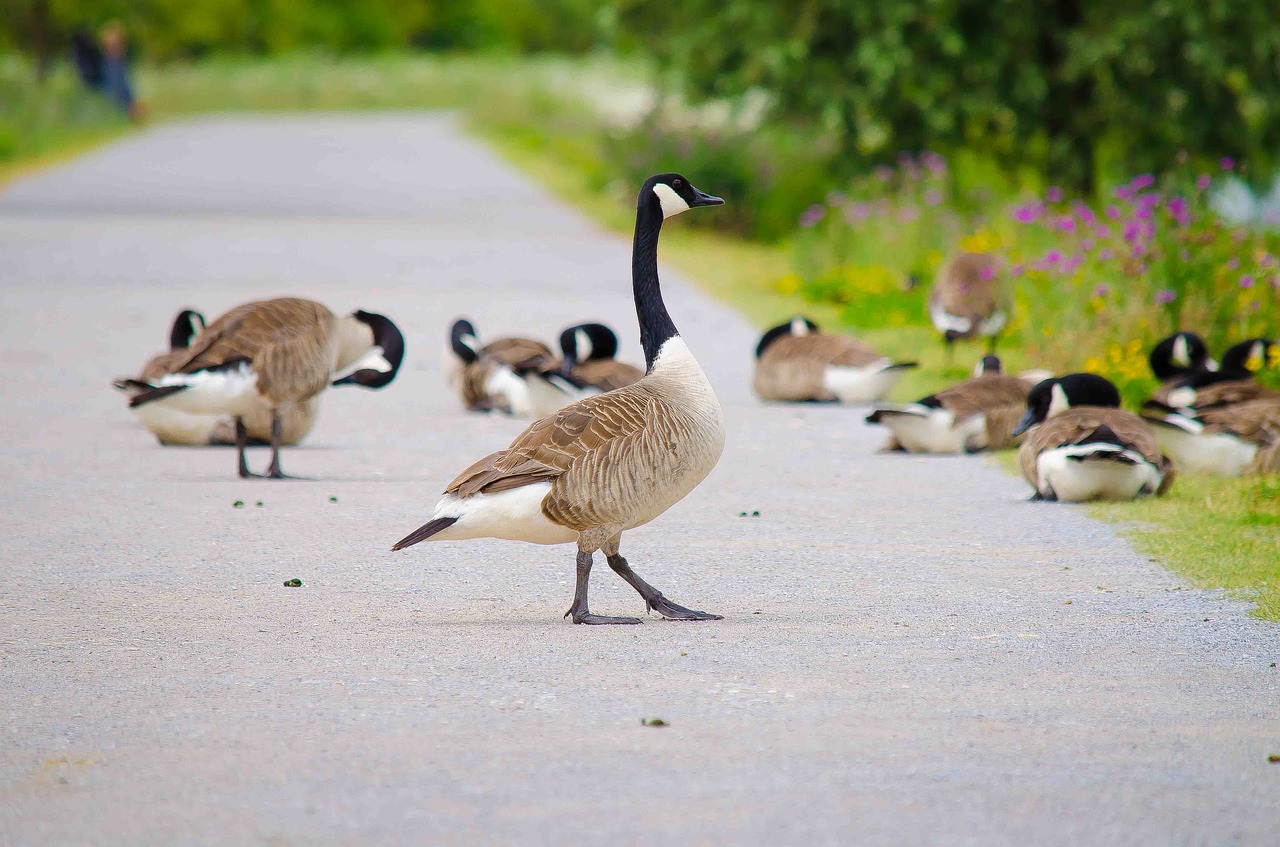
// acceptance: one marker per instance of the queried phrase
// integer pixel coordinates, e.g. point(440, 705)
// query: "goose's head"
point(1248, 357)
point(1179, 354)
point(1054, 396)
point(797, 326)
point(990, 364)
point(463, 341)
point(673, 194)
point(186, 326)
point(380, 364)
point(587, 342)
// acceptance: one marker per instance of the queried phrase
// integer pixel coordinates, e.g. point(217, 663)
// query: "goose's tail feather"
point(152, 394)
point(424, 532)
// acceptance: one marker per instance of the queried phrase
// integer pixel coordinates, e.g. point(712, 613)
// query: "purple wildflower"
point(1084, 213)
point(884, 173)
point(1072, 262)
point(1142, 181)
point(810, 217)
point(1028, 213)
point(1053, 194)
point(1114, 213)
point(1178, 211)
point(1246, 281)
point(1233, 263)
point(1268, 261)
point(1017, 270)
point(1131, 231)
point(1053, 257)
point(857, 212)
point(835, 198)
point(1066, 223)
point(1165, 295)
point(933, 162)
point(1106, 254)
point(1203, 181)
point(933, 197)
point(1226, 163)
point(988, 272)
point(1102, 290)
point(1123, 192)
point(1087, 244)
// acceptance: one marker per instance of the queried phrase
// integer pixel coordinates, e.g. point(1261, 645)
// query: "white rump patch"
point(231, 391)
point(944, 321)
point(1058, 402)
point(1080, 472)
point(861, 385)
point(515, 515)
point(672, 203)
point(923, 429)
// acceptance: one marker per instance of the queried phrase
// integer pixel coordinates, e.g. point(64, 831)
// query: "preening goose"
point(276, 355)
point(611, 462)
point(1179, 355)
point(1229, 440)
point(172, 427)
point(486, 378)
point(795, 362)
point(1083, 446)
point(588, 367)
point(978, 414)
point(966, 300)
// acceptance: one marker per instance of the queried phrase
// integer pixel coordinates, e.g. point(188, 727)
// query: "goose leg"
point(578, 611)
point(242, 440)
point(653, 598)
point(277, 428)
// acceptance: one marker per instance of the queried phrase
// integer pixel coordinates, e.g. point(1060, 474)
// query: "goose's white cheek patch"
point(672, 203)
point(1058, 402)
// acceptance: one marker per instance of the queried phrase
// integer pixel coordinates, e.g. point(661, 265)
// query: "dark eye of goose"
point(675, 183)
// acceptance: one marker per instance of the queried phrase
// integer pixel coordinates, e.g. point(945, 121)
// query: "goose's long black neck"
point(655, 324)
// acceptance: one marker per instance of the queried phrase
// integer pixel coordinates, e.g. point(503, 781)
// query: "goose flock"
point(613, 445)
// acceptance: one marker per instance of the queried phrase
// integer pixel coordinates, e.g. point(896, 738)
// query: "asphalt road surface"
point(911, 653)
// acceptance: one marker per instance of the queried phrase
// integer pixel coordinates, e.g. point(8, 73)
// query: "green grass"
point(1219, 533)
point(542, 114)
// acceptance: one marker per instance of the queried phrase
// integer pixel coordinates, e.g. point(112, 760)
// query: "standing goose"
point(1229, 440)
point(978, 414)
point(588, 368)
point(608, 463)
point(966, 301)
point(486, 378)
point(797, 363)
point(1085, 447)
point(275, 355)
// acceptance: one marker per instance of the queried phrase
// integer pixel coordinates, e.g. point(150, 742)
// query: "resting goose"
point(966, 301)
point(273, 356)
point(1228, 440)
point(795, 362)
point(1083, 446)
point(588, 368)
point(1235, 382)
point(487, 378)
point(978, 414)
point(609, 463)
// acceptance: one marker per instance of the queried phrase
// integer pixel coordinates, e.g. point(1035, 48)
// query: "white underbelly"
point(861, 385)
point(171, 426)
point(1218, 453)
point(937, 432)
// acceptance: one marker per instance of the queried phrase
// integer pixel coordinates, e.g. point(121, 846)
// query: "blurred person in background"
point(116, 82)
point(87, 58)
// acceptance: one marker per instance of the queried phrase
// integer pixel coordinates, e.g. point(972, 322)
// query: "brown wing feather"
point(1232, 392)
point(289, 341)
point(607, 374)
point(1075, 425)
point(961, 289)
point(524, 352)
point(983, 393)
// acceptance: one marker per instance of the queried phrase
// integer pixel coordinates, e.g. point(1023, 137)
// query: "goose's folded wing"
point(982, 394)
point(553, 445)
point(524, 353)
point(245, 332)
point(607, 375)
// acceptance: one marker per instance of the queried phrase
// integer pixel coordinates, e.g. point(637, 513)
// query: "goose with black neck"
point(609, 463)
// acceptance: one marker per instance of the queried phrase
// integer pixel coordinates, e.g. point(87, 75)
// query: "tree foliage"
point(1056, 84)
point(167, 29)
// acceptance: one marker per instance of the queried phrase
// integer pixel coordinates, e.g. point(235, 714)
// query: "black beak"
point(702, 198)
point(1028, 420)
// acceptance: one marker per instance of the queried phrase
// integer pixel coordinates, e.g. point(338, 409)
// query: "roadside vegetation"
point(841, 211)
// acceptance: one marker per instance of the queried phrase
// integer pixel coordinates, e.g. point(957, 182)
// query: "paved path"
point(911, 653)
